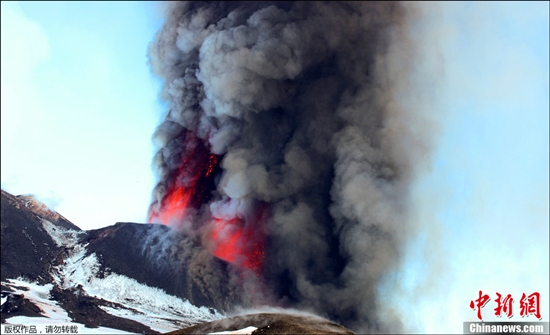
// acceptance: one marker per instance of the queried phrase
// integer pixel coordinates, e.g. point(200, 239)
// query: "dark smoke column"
point(285, 149)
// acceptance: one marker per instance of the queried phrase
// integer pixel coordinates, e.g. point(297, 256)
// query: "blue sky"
point(483, 206)
point(79, 106)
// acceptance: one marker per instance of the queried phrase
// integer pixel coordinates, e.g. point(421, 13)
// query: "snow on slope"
point(148, 305)
point(53, 313)
point(61, 236)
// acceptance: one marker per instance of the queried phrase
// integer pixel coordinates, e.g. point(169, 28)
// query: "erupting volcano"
point(239, 243)
point(190, 185)
point(288, 149)
point(235, 240)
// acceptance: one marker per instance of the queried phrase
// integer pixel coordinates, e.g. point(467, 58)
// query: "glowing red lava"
point(237, 241)
point(188, 186)
point(173, 206)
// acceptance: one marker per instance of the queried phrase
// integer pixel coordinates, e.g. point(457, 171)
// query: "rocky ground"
point(269, 323)
point(112, 278)
point(83, 268)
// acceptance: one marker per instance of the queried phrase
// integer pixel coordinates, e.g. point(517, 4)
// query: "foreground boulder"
point(269, 323)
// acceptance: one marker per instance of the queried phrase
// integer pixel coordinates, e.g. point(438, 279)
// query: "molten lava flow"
point(227, 234)
point(212, 162)
point(190, 185)
point(239, 242)
point(173, 205)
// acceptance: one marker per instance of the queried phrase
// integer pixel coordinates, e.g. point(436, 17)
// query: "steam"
point(311, 109)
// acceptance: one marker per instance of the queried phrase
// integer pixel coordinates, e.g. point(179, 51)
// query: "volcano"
point(292, 135)
point(98, 278)
point(239, 238)
point(107, 280)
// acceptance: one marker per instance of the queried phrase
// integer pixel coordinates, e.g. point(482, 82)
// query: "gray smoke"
point(304, 102)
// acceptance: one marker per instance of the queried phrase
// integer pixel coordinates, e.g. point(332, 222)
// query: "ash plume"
point(288, 148)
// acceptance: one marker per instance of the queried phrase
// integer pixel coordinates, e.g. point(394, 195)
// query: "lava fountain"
point(237, 239)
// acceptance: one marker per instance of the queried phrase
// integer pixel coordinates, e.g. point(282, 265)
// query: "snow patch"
point(150, 306)
point(61, 236)
point(76, 268)
point(53, 314)
point(42, 323)
point(157, 322)
point(39, 295)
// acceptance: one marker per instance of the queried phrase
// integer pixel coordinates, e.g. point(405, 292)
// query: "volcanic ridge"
point(108, 279)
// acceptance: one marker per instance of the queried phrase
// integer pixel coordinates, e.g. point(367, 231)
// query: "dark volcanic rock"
point(133, 250)
point(27, 250)
point(86, 310)
point(17, 304)
point(270, 323)
point(129, 249)
point(151, 254)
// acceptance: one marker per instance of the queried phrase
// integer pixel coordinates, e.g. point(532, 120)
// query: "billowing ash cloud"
point(286, 150)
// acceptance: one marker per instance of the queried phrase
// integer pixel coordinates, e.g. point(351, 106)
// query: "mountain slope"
point(27, 248)
point(138, 248)
point(103, 277)
point(127, 277)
